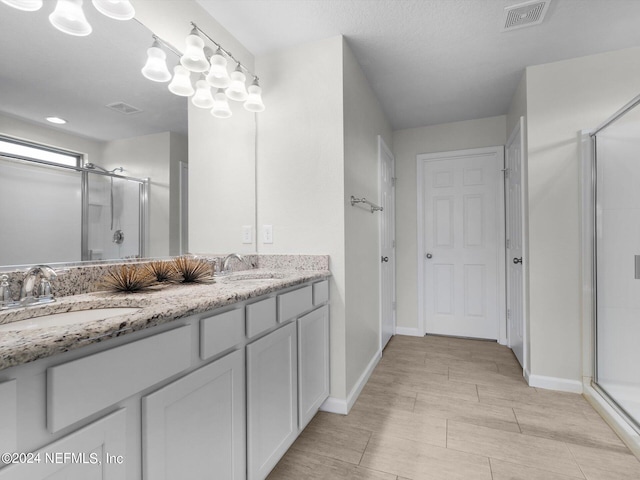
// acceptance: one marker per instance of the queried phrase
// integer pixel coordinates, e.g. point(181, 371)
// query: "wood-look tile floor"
point(439, 408)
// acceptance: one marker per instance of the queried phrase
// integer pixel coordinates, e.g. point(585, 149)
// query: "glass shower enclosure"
point(54, 212)
point(616, 262)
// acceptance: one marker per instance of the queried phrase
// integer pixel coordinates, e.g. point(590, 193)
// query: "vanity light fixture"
point(221, 107)
point(181, 83)
point(212, 66)
point(237, 90)
point(202, 98)
point(116, 9)
point(194, 58)
point(254, 99)
point(68, 17)
point(218, 75)
point(25, 5)
point(56, 120)
point(155, 69)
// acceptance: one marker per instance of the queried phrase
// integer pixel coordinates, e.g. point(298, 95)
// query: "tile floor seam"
point(490, 467)
point(516, 417)
point(446, 435)
point(575, 460)
point(365, 448)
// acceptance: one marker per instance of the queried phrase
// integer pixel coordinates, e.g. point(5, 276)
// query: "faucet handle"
point(5, 292)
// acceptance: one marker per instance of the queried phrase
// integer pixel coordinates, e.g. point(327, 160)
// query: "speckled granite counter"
point(158, 305)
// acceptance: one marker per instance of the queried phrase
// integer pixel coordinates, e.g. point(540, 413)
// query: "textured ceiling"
point(435, 61)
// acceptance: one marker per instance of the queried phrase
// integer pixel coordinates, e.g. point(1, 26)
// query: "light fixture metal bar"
point(225, 51)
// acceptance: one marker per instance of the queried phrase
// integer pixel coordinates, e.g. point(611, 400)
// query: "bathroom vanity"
point(203, 381)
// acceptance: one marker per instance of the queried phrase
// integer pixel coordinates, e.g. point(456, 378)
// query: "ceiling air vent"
point(524, 14)
point(123, 108)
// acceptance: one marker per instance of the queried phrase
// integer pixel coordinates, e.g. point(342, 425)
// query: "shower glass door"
point(617, 229)
point(115, 217)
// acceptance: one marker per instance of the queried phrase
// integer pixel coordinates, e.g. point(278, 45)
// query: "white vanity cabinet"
point(194, 428)
point(95, 452)
point(313, 363)
point(220, 394)
point(272, 399)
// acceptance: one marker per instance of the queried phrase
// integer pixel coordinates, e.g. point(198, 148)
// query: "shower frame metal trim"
point(631, 421)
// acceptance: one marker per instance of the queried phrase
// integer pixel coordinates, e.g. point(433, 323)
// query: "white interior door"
point(387, 244)
point(515, 242)
point(462, 208)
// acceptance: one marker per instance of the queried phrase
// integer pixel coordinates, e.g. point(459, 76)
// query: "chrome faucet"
point(44, 289)
point(225, 263)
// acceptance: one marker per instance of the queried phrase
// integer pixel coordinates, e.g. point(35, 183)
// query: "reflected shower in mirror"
point(113, 117)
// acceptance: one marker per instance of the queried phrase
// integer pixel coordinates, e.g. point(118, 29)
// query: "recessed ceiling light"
point(57, 120)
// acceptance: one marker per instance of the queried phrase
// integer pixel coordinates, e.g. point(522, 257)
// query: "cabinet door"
point(194, 428)
point(95, 452)
point(313, 363)
point(272, 399)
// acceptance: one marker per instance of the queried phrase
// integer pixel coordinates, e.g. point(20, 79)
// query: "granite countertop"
point(157, 305)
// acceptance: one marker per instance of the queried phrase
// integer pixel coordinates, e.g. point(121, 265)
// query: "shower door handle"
point(517, 260)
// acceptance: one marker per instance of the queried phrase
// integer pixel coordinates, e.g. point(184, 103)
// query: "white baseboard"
point(619, 425)
point(412, 332)
point(527, 374)
point(343, 406)
point(554, 383)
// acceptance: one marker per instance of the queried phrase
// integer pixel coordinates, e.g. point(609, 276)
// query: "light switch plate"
point(267, 234)
point(246, 234)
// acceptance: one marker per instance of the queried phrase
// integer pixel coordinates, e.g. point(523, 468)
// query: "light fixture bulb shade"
point(155, 68)
point(254, 99)
point(116, 9)
point(218, 75)
point(221, 107)
point(25, 5)
point(194, 58)
point(181, 83)
point(202, 97)
point(68, 17)
point(237, 89)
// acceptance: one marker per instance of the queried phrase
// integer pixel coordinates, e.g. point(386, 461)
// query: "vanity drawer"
point(320, 292)
point(85, 386)
point(221, 332)
point(294, 303)
point(261, 316)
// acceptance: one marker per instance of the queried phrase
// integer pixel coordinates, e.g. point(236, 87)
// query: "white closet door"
point(463, 204)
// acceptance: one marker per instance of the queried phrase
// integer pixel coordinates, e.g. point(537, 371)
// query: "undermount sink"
point(66, 318)
point(252, 276)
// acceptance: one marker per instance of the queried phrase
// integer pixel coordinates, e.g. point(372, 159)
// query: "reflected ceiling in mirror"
point(48, 73)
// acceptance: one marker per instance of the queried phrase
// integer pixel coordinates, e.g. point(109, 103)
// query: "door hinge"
point(393, 181)
point(393, 305)
point(508, 314)
point(506, 172)
point(508, 243)
point(393, 243)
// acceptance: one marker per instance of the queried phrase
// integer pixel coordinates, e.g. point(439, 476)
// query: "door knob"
point(385, 259)
point(517, 260)
point(428, 255)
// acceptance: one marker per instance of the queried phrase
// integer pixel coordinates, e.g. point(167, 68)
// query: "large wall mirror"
point(129, 129)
